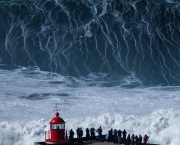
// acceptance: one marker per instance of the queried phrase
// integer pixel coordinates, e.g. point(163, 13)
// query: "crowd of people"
point(116, 136)
point(90, 135)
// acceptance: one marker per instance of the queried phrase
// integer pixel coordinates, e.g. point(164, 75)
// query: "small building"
point(56, 135)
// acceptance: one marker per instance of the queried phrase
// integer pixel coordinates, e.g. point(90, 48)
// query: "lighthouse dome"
point(57, 120)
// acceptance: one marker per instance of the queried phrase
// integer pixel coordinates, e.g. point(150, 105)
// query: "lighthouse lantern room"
point(56, 134)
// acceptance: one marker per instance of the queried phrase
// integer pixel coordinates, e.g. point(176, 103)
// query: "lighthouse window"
point(57, 126)
point(61, 126)
point(53, 126)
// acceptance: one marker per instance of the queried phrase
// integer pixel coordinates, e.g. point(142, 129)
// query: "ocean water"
point(107, 63)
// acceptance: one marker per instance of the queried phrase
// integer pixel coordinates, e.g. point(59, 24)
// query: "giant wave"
point(139, 38)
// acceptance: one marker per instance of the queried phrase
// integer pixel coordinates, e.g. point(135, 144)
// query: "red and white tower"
point(56, 134)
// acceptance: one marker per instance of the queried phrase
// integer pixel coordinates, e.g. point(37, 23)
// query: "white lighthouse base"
point(58, 143)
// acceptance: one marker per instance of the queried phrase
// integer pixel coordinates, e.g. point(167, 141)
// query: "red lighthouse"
point(56, 134)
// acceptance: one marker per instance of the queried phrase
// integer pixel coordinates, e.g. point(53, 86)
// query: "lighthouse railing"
point(66, 135)
point(47, 135)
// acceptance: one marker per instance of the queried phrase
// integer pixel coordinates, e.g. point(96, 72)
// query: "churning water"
point(104, 62)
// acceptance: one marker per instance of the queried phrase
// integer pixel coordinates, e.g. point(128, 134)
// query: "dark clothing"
point(119, 139)
point(115, 136)
point(140, 140)
point(71, 136)
point(136, 140)
point(99, 130)
point(128, 139)
point(92, 134)
point(87, 135)
point(124, 136)
point(119, 132)
point(115, 132)
point(78, 134)
point(132, 139)
point(110, 135)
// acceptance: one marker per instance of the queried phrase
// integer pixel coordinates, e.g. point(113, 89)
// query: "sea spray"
point(161, 126)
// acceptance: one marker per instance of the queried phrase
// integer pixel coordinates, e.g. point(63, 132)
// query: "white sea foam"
point(19, 133)
point(162, 126)
point(28, 95)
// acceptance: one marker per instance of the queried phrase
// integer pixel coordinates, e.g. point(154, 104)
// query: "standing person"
point(93, 134)
point(99, 130)
point(124, 136)
point(71, 136)
point(110, 135)
point(119, 132)
point(115, 140)
point(136, 140)
point(87, 135)
point(78, 134)
point(145, 139)
point(140, 140)
point(128, 139)
point(132, 139)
